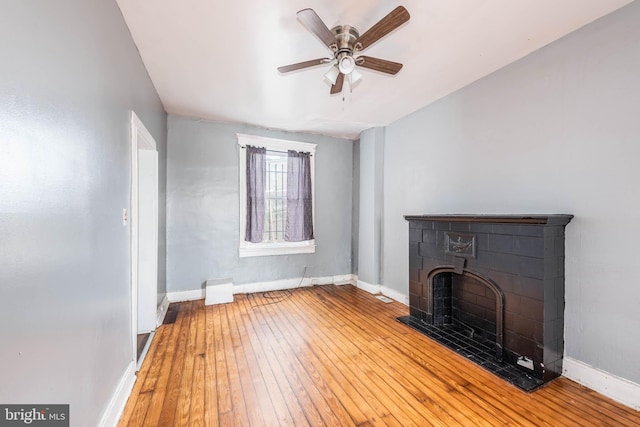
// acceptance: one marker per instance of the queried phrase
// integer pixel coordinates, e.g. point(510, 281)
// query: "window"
point(275, 197)
point(271, 204)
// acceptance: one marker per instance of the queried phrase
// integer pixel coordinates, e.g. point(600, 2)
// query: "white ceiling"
point(217, 59)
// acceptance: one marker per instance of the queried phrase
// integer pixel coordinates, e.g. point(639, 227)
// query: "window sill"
point(267, 249)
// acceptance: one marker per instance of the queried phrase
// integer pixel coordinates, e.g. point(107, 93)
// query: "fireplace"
point(491, 287)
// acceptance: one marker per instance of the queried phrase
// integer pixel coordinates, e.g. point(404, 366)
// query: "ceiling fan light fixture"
point(355, 76)
point(347, 64)
point(332, 74)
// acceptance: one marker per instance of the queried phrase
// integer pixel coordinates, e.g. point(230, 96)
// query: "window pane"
point(275, 197)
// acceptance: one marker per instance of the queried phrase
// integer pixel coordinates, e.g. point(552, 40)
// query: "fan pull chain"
point(350, 90)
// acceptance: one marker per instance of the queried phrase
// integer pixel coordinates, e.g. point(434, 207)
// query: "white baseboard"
point(180, 296)
point(116, 405)
point(279, 285)
point(345, 279)
point(162, 310)
point(372, 289)
point(321, 280)
point(395, 295)
point(275, 285)
point(380, 289)
point(616, 388)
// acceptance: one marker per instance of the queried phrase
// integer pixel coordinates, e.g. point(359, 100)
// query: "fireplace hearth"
point(491, 288)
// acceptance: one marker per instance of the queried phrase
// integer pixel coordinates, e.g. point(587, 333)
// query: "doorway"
point(144, 236)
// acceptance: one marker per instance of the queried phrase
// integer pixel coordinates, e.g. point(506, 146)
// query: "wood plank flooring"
point(333, 356)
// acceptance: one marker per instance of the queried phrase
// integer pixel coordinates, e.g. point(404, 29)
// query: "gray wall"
point(371, 205)
point(355, 202)
point(556, 132)
point(203, 200)
point(70, 75)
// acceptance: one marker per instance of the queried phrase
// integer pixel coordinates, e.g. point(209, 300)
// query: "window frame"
point(249, 249)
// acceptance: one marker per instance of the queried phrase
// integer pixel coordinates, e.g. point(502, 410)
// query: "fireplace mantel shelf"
point(553, 219)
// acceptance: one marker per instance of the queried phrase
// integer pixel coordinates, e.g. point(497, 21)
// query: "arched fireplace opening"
point(469, 304)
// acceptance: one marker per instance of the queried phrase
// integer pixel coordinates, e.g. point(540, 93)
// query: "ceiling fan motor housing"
point(346, 37)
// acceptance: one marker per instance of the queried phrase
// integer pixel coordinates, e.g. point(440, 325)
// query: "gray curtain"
point(256, 174)
point(299, 208)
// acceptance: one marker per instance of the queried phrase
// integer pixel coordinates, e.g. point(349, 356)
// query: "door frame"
point(141, 139)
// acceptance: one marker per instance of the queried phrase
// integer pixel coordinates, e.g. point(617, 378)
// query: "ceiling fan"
point(345, 42)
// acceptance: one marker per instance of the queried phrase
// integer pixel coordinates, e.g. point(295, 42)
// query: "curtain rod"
point(278, 151)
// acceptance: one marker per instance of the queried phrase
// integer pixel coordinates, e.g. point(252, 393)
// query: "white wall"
point(556, 132)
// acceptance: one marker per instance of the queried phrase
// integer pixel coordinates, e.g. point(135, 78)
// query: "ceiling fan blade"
point(378, 64)
point(301, 65)
point(393, 20)
point(312, 22)
point(337, 88)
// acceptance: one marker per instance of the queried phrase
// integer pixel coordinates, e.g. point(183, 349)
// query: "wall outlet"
point(125, 217)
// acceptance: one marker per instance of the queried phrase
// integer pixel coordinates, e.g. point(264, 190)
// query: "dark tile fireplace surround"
point(491, 288)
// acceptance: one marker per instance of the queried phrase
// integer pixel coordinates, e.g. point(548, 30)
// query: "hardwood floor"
point(333, 355)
